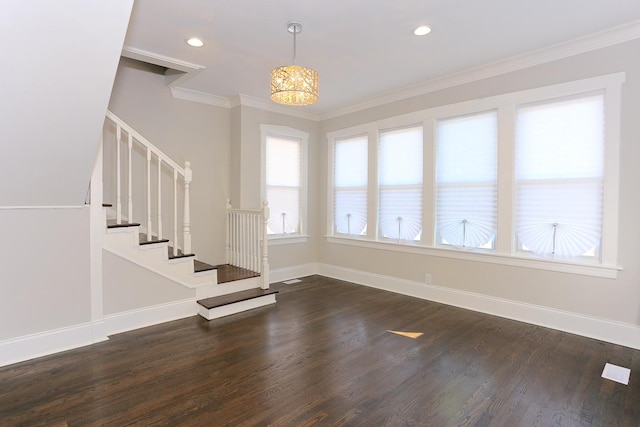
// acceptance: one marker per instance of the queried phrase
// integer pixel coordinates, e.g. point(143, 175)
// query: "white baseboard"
point(45, 343)
point(282, 274)
point(148, 316)
point(620, 333)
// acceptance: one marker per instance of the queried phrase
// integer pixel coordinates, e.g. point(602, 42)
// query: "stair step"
point(180, 254)
point(225, 305)
point(154, 239)
point(199, 266)
point(230, 273)
point(111, 223)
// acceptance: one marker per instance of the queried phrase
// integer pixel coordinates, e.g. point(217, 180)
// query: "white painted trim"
point(594, 270)
point(279, 239)
point(556, 52)
point(288, 273)
point(238, 307)
point(601, 329)
point(44, 343)
point(41, 207)
point(161, 60)
point(148, 316)
point(544, 55)
point(268, 105)
point(200, 97)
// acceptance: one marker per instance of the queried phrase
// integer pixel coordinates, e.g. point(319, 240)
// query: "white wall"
point(44, 260)
point(60, 61)
point(185, 131)
point(613, 300)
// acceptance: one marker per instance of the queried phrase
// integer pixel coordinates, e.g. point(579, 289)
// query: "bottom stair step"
point(237, 302)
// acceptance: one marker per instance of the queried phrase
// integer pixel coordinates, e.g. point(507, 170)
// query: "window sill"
point(595, 270)
point(279, 239)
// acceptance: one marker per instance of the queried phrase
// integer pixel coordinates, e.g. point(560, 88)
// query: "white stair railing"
point(180, 175)
point(247, 240)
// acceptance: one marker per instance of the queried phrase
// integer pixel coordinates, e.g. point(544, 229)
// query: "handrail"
point(185, 173)
point(144, 141)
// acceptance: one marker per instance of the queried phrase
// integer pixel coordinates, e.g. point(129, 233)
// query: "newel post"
point(265, 246)
point(187, 209)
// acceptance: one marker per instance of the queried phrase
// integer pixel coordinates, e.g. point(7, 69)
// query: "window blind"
point(466, 180)
point(559, 176)
point(283, 183)
point(350, 185)
point(400, 183)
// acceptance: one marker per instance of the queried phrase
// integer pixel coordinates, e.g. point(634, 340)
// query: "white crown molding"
point(200, 97)
point(268, 105)
point(161, 60)
point(556, 52)
point(567, 49)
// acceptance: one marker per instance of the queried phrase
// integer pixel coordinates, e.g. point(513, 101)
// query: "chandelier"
point(292, 84)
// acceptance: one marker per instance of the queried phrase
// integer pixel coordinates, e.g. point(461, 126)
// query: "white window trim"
point(505, 252)
point(287, 132)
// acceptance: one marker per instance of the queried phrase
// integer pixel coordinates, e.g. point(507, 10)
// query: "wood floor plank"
point(322, 356)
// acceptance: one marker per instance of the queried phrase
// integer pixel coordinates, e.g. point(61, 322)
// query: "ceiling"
point(360, 48)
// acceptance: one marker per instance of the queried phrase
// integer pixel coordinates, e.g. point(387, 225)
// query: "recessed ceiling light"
point(195, 42)
point(422, 30)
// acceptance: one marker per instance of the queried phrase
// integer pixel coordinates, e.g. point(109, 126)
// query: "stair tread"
point(230, 273)
point(111, 223)
point(154, 239)
point(180, 254)
point(222, 300)
point(199, 266)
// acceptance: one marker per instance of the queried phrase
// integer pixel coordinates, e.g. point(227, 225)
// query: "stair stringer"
point(124, 242)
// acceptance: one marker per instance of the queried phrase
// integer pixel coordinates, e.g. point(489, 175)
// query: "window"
point(467, 180)
point(350, 185)
point(559, 176)
point(519, 179)
point(284, 179)
point(400, 183)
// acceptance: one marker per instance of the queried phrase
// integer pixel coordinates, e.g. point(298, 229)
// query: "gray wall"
point(185, 131)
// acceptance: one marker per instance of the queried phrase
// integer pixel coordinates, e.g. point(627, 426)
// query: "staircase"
point(220, 290)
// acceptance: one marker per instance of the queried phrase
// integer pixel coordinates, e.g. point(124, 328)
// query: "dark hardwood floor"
point(322, 356)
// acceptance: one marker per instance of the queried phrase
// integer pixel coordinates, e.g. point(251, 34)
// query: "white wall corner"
point(606, 330)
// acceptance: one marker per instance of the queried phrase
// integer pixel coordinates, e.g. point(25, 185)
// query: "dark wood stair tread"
point(199, 266)
point(229, 273)
point(111, 223)
point(179, 255)
point(214, 302)
point(154, 239)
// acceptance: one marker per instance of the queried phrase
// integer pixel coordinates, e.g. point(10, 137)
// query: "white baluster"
point(118, 173)
point(159, 198)
point(130, 195)
point(149, 194)
point(187, 209)
point(175, 212)
point(228, 232)
point(265, 250)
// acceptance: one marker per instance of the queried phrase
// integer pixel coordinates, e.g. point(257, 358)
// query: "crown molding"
point(556, 52)
point(200, 97)
point(268, 105)
point(161, 60)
